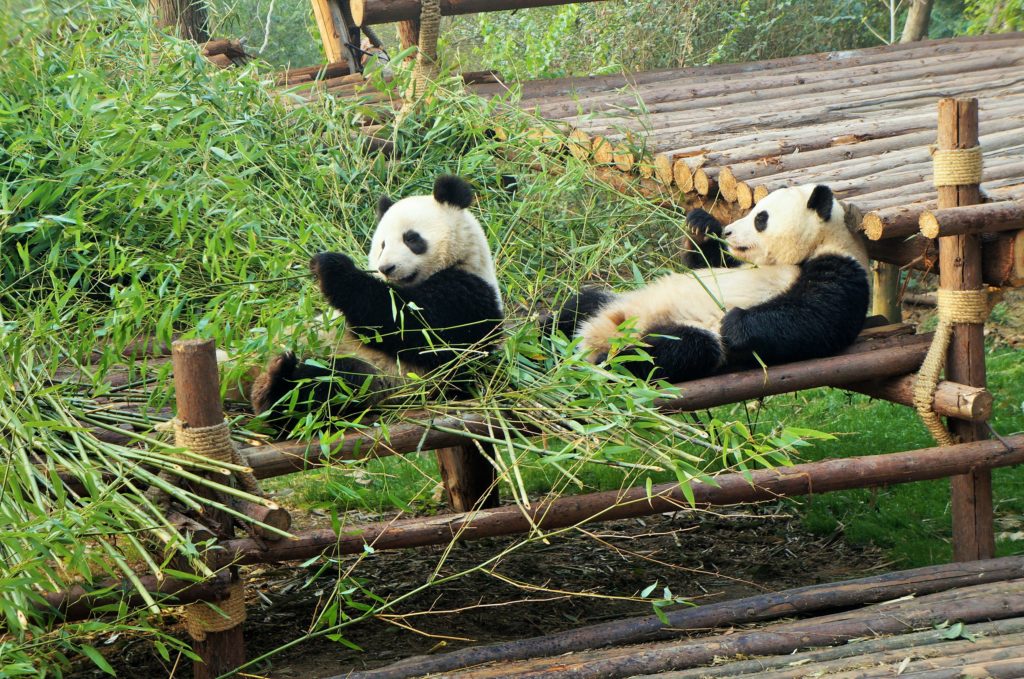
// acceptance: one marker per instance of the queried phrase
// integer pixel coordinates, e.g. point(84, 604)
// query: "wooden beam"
point(330, 33)
point(368, 12)
point(984, 218)
point(960, 268)
point(726, 489)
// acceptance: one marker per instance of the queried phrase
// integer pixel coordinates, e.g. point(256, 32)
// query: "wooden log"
point(911, 662)
point(893, 222)
point(727, 489)
point(682, 175)
point(296, 76)
point(286, 457)
point(671, 97)
point(791, 602)
point(871, 360)
point(982, 218)
point(330, 34)
point(580, 145)
point(951, 399)
point(960, 268)
point(468, 476)
point(197, 395)
point(983, 602)
point(81, 603)
point(1002, 257)
point(885, 288)
point(575, 85)
point(369, 12)
point(915, 644)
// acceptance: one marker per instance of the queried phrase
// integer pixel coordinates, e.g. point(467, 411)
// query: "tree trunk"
point(187, 17)
point(916, 27)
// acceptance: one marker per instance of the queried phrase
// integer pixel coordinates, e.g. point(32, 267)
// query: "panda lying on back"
point(801, 293)
point(432, 297)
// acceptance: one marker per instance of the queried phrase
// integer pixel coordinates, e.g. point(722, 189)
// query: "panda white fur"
point(430, 295)
point(792, 286)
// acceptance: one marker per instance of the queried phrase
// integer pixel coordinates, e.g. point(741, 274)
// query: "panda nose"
point(386, 269)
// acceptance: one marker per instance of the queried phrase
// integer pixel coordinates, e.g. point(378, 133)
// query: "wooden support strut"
point(960, 268)
point(197, 394)
point(368, 12)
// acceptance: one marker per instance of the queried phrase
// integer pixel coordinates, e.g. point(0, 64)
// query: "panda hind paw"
point(273, 383)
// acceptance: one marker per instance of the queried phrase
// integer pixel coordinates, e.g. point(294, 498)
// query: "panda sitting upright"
point(793, 286)
point(430, 297)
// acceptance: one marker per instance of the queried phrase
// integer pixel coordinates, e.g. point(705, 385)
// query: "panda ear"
point(383, 203)
point(454, 191)
point(821, 202)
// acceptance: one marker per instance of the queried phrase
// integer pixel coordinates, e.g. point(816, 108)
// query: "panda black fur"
point(792, 286)
point(432, 295)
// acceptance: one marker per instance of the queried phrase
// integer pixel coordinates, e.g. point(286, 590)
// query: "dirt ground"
point(569, 582)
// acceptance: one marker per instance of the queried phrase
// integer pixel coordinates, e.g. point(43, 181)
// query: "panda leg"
point(341, 386)
point(680, 353)
point(581, 306)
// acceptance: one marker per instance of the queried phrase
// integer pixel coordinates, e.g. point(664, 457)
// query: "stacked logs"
point(225, 53)
point(862, 122)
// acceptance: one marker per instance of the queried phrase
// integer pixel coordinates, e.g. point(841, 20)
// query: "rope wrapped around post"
point(954, 306)
point(956, 167)
point(214, 443)
point(426, 68)
point(201, 617)
point(950, 167)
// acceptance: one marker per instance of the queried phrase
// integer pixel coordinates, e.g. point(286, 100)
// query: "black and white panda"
point(430, 296)
point(793, 285)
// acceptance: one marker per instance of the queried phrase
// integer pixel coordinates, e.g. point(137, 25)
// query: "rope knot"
point(955, 306)
point(956, 167)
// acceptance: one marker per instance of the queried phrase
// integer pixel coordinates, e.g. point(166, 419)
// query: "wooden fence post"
point(468, 477)
point(197, 394)
point(960, 268)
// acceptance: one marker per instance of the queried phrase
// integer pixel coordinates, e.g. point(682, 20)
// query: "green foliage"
point(994, 16)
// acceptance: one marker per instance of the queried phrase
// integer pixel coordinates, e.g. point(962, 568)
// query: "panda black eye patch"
point(414, 242)
point(761, 220)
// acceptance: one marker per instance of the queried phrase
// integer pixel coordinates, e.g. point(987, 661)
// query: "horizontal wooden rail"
point(984, 218)
point(726, 489)
point(369, 12)
point(864, 367)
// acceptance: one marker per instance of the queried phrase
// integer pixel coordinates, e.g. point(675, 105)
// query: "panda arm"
point(450, 308)
point(821, 314)
point(706, 235)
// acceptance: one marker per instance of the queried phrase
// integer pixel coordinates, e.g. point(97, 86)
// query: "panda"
point(430, 296)
point(792, 285)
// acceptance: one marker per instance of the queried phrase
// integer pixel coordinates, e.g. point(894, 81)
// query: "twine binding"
point(202, 618)
point(954, 306)
point(956, 167)
point(214, 443)
point(426, 68)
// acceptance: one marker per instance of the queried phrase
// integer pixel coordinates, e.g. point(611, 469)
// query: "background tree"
point(188, 18)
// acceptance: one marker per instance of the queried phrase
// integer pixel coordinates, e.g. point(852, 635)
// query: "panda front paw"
point(734, 331)
point(329, 266)
point(702, 224)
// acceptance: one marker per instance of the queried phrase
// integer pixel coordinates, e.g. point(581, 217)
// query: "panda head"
point(419, 236)
point(792, 225)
